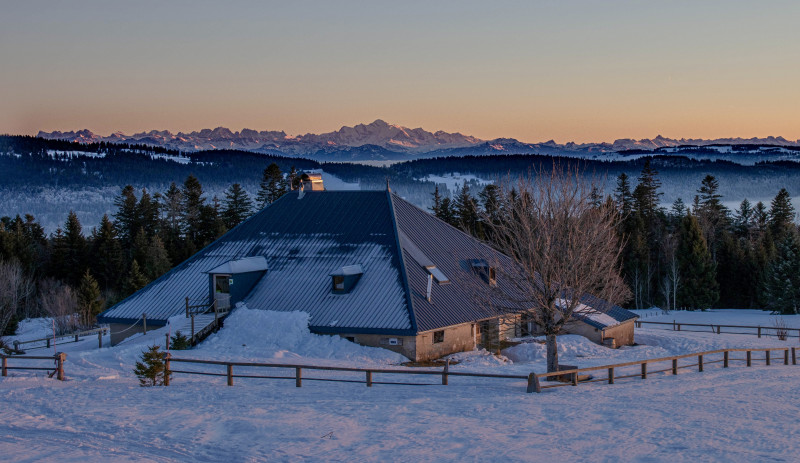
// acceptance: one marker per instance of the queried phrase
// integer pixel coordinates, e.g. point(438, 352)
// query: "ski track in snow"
point(739, 414)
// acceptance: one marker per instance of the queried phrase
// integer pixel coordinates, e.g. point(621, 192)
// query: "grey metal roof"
point(303, 241)
point(614, 311)
point(306, 238)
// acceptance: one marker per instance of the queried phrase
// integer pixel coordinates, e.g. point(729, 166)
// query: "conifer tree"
point(126, 217)
point(238, 206)
point(446, 212)
point(271, 187)
point(147, 212)
point(157, 260)
point(437, 201)
point(623, 196)
point(781, 290)
point(151, 369)
point(135, 280)
point(697, 270)
point(781, 215)
point(192, 205)
point(107, 256)
point(89, 302)
point(466, 210)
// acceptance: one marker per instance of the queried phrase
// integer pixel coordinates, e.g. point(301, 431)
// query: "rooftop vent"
point(345, 278)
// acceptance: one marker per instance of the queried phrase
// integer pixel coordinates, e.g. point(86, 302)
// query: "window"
point(492, 276)
point(350, 338)
point(438, 336)
point(338, 283)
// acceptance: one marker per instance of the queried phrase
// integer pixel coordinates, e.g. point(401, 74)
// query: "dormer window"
point(345, 278)
point(485, 271)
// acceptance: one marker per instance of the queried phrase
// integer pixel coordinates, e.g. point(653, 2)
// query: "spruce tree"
point(89, 302)
point(107, 256)
point(135, 280)
point(466, 210)
point(74, 245)
point(147, 211)
point(192, 204)
point(157, 260)
point(698, 288)
point(271, 187)
point(437, 201)
point(623, 196)
point(781, 215)
point(126, 217)
point(781, 291)
point(151, 369)
point(238, 206)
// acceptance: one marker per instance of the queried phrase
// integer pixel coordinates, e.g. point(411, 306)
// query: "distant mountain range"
point(382, 141)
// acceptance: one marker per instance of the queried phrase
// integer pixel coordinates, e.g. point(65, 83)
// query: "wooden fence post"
point(369, 378)
point(725, 359)
point(674, 366)
point(644, 370)
point(144, 322)
point(679, 326)
point(699, 363)
point(230, 374)
point(749, 358)
point(786, 357)
point(444, 372)
point(759, 331)
point(48, 343)
point(191, 340)
point(76, 337)
point(611, 375)
point(166, 342)
point(718, 329)
point(167, 356)
point(794, 356)
point(575, 379)
point(768, 357)
point(100, 339)
point(533, 383)
point(673, 325)
point(298, 377)
point(60, 357)
point(5, 365)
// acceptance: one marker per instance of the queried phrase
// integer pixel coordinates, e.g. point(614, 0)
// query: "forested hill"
point(36, 162)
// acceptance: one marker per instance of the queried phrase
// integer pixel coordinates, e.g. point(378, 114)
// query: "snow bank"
point(262, 334)
point(33, 328)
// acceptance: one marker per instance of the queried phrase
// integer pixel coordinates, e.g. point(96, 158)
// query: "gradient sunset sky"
point(570, 70)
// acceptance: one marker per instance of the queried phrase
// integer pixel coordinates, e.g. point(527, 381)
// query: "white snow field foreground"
point(100, 412)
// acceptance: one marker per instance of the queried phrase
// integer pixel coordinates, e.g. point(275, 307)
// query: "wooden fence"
point(717, 329)
point(53, 340)
point(369, 374)
point(59, 359)
point(573, 377)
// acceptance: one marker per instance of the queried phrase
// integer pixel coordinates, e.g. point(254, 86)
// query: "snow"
point(454, 180)
point(244, 265)
point(736, 414)
point(332, 182)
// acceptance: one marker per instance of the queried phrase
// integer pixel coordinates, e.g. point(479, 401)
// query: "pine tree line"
point(695, 256)
point(73, 276)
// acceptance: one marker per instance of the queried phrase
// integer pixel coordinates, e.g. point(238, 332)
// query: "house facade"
point(365, 265)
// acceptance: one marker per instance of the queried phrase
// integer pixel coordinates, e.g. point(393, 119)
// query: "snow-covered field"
point(738, 414)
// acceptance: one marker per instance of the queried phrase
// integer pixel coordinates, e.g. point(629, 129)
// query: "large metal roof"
point(306, 238)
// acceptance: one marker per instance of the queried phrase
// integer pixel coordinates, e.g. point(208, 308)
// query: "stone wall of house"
point(622, 333)
point(404, 345)
point(421, 348)
point(458, 338)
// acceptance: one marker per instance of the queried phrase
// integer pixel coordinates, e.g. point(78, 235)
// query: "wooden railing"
point(717, 329)
point(53, 340)
point(612, 373)
point(369, 373)
point(59, 359)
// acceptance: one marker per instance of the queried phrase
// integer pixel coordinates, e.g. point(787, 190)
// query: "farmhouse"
point(365, 265)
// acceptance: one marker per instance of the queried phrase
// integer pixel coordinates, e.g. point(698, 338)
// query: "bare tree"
point(59, 301)
point(15, 288)
point(563, 250)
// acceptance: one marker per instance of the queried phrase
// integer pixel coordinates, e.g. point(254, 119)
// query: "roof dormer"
point(344, 279)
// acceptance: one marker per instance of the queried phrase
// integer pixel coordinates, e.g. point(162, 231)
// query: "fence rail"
point(369, 373)
point(717, 329)
point(59, 359)
point(53, 340)
point(573, 375)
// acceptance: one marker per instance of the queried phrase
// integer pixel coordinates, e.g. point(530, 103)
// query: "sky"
point(583, 71)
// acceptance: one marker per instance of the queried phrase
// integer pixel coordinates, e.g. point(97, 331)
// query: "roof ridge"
point(404, 274)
